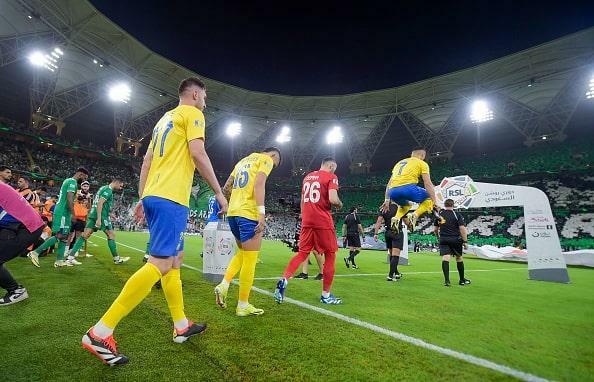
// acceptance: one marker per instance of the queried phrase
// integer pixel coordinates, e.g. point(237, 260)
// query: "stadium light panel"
point(233, 129)
point(120, 93)
point(590, 92)
point(480, 112)
point(285, 135)
point(334, 136)
point(46, 60)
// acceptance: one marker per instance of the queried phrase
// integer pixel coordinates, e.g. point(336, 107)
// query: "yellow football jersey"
point(408, 171)
point(243, 200)
point(172, 169)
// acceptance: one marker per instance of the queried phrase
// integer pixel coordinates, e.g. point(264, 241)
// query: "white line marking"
point(399, 336)
point(406, 273)
point(414, 341)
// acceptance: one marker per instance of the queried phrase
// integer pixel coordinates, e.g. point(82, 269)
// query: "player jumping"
point(175, 150)
point(62, 220)
point(402, 189)
point(318, 194)
point(246, 218)
point(98, 219)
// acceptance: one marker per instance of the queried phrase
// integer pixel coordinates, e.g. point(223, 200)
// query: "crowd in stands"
point(564, 172)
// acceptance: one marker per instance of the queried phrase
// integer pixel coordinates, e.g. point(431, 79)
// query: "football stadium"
point(441, 228)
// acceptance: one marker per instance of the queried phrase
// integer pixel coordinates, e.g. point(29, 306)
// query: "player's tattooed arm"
point(228, 186)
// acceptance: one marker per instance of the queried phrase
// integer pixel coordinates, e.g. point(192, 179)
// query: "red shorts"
point(322, 240)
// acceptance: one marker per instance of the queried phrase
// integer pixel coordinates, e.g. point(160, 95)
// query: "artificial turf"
point(545, 329)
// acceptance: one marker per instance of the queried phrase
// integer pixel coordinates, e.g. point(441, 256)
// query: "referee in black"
point(352, 230)
point(394, 241)
point(450, 230)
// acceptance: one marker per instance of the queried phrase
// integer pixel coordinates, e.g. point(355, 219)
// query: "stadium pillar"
point(362, 167)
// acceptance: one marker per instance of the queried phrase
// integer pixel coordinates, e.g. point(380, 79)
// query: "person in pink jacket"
point(20, 226)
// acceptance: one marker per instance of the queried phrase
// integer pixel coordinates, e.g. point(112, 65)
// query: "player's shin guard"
point(77, 245)
point(246, 276)
point(112, 247)
point(46, 244)
point(402, 210)
point(394, 265)
point(460, 266)
point(330, 259)
point(135, 290)
point(294, 264)
point(61, 250)
point(445, 267)
point(172, 289)
point(426, 206)
point(234, 266)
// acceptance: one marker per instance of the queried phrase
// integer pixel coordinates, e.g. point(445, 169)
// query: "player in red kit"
point(318, 194)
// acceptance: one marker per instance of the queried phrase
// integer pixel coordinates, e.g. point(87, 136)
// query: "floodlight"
point(544, 137)
point(36, 58)
point(233, 129)
point(285, 135)
point(480, 112)
point(120, 92)
point(590, 92)
point(46, 60)
point(334, 136)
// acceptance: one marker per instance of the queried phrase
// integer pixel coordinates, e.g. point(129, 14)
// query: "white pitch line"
point(414, 341)
point(399, 336)
point(406, 273)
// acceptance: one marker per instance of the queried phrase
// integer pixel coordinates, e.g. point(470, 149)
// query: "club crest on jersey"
point(461, 189)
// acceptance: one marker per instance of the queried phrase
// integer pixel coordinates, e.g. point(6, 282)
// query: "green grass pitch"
point(545, 329)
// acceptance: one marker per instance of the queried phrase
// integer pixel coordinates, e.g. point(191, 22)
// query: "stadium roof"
point(523, 88)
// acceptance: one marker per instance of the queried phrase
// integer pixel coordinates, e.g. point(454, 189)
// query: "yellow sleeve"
point(265, 164)
point(424, 167)
point(195, 124)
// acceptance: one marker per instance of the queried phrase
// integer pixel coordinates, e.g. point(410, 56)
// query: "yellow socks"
point(172, 288)
point(246, 276)
point(135, 290)
point(426, 206)
point(234, 266)
point(402, 211)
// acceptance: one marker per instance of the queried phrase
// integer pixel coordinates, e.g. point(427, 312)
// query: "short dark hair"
point(273, 148)
point(25, 178)
point(116, 179)
point(449, 203)
point(420, 148)
point(83, 170)
point(328, 159)
point(352, 209)
point(4, 168)
point(190, 81)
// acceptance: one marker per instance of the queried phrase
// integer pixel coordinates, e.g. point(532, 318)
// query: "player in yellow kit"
point(402, 189)
point(175, 150)
point(246, 217)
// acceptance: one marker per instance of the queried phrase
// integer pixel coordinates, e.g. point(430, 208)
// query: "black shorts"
point(79, 226)
point(15, 239)
point(353, 240)
point(394, 241)
point(450, 246)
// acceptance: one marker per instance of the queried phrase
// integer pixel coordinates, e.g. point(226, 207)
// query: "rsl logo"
point(461, 189)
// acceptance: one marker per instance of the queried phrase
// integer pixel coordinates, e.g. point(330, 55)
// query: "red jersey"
point(316, 200)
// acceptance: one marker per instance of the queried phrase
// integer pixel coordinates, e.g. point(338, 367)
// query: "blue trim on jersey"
point(6, 218)
point(167, 223)
point(401, 195)
point(243, 229)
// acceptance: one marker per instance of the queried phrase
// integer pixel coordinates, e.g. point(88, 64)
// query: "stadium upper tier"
point(532, 93)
